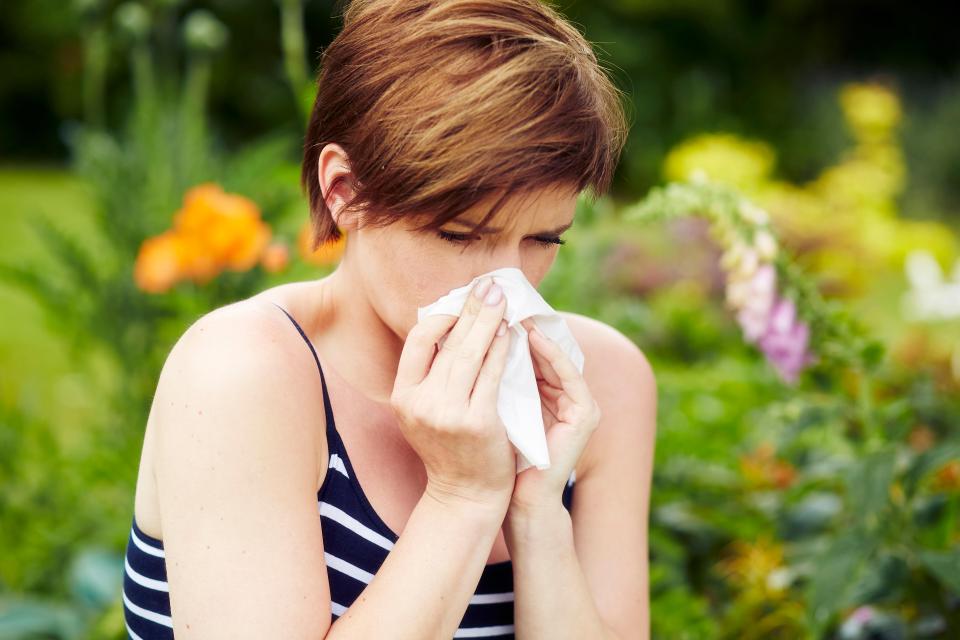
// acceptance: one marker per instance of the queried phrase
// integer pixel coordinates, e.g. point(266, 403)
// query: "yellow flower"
point(723, 158)
point(751, 564)
point(872, 110)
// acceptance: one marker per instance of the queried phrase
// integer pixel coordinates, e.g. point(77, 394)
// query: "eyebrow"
point(557, 231)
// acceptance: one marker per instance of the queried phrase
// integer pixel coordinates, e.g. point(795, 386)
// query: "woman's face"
point(402, 268)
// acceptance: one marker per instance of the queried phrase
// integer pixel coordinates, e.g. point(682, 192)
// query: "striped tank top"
point(356, 542)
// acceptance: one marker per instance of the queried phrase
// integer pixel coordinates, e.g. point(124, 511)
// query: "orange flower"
point(196, 260)
point(212, 231)
point(948, 477)
point(327, 253)
point(921, 438)
point(762, 469)
point(275, 257)
point(227, 226)
point(157, 267)
point(754, 564)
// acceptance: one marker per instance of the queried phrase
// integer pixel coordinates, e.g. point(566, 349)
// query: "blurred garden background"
point(782, 241)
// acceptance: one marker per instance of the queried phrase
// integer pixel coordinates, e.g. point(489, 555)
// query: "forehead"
point(553, 205)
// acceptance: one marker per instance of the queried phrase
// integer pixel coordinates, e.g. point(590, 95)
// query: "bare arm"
point(603, 566)
point(424, 586)
point(236, 468)
point(237, 479)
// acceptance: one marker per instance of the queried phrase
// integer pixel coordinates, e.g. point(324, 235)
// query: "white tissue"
point(518, 402)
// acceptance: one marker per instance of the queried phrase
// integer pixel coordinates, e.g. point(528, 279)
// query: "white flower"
point(780, 578)
point(738, 292)
point(733, 255)
point(748, 264)
point(753, 213)
point(765, 244)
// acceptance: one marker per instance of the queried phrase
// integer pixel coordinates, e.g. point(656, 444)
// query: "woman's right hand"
point(446, 401)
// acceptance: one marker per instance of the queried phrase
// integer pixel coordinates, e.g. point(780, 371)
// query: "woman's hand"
point(570, 416)
point(446, 402)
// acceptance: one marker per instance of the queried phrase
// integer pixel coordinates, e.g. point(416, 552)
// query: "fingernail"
point(494, 296)
point(481, 287)
point(502, 329)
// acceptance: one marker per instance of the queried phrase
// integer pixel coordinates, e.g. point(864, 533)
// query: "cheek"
point(537, 267)
point(439, 282)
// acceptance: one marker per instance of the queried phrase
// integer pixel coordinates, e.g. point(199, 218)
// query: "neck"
point(364, 351)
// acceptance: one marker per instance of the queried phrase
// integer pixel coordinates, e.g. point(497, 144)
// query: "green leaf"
point(872, 354)
point(96, 577)
point(31, 618)
point(74, 259)
point(883, 579)
point(929, 461)
point(868, 484)
point(945, 565)
point(836, 572)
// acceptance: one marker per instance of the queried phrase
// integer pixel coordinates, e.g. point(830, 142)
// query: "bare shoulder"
point(236, 470)
point(608, 354)
point(246, 343)
point(622, 382)
point(243, 359)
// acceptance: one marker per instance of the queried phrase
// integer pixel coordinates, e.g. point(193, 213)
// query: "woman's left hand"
point(570, 416)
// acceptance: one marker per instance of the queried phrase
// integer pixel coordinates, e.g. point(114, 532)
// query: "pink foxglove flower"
point(785, 340)
point(766, 319)
point(856, 623)
point(758, 297)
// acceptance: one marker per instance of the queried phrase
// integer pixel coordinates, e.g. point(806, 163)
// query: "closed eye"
point(463, 238)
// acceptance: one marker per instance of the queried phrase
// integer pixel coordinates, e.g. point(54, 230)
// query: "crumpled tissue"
point(518, 401)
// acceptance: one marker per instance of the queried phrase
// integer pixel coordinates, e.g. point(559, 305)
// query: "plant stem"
point(871, 430)
point(95, 49)
point(291, 31)
point(950, 520)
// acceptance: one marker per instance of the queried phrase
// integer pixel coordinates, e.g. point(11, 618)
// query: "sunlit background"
point(782, 241)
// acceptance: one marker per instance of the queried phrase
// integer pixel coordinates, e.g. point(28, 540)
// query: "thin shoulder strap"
point(328, 411)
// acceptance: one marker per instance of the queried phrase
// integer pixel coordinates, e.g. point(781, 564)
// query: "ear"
point(337, 184)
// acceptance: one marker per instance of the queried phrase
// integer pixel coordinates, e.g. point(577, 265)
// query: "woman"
point(313, 466)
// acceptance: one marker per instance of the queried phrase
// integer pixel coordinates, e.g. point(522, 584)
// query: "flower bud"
point(753, 213)
point(133, 20)
point(765, 245)
point(202, 32)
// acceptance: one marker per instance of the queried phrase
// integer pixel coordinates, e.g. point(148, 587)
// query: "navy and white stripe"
point(356, 542)
point(146, 597)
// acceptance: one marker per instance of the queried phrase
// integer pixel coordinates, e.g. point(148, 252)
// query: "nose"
point(505, 255)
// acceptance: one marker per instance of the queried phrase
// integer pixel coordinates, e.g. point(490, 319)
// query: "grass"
point(38, 376)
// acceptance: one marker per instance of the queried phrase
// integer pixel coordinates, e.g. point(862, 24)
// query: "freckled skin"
point(402, 269)
point(363, 311)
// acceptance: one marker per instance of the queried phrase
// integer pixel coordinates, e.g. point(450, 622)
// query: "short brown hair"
point(441, 104)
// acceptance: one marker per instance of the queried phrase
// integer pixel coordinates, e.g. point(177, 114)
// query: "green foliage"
point(776, 511)
point(67, 501)
point(848, 501)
